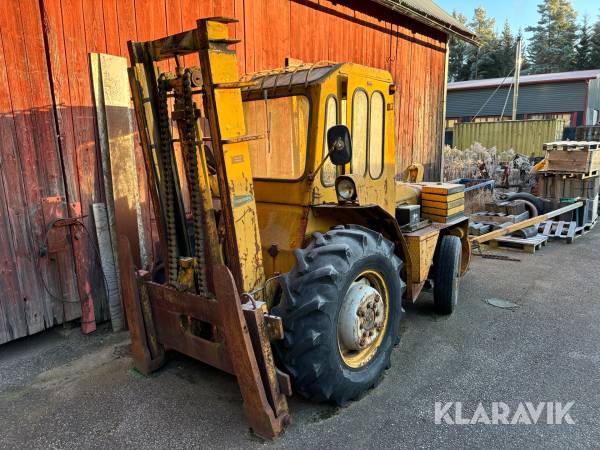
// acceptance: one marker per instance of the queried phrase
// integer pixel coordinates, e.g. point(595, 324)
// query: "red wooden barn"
point(49, 154)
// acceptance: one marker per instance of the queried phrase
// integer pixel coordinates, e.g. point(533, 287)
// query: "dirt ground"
point(60, 389)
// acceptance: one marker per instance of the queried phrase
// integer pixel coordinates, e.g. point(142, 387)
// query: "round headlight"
point(346, 189)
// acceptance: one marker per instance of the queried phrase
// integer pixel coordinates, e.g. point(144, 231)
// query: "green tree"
point(457, 69)
point(554, 37)
point(506, 52)
point(481, 61)
point(595, 46)
point(583, 49)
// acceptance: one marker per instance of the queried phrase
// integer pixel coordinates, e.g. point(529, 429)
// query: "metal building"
point(50, 153)
point(571, 96)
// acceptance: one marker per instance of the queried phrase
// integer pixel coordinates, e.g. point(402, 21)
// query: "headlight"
point(346, 190)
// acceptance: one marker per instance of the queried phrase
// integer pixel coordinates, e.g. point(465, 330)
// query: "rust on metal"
point(209, 325)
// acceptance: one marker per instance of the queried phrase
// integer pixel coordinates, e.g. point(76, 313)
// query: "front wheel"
point(447, 275)
point(341, 308)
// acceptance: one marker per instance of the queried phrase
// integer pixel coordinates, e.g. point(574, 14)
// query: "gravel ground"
point(60, 389)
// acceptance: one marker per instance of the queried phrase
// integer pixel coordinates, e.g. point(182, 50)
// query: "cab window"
point(360, 116)
point(376, 135)
point(328, 172)
point(284, 124)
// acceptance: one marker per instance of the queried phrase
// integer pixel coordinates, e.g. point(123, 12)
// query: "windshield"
point(284, 124)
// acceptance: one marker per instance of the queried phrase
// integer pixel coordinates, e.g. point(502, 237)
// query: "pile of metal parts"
point(567, 184)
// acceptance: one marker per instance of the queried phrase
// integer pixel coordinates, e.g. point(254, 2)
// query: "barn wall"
point(50, 153)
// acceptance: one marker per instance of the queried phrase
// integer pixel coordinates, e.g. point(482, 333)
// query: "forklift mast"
point(203, 303)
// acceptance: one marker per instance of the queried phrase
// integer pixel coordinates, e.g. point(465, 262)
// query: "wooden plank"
point(443, 205)
point(118, 153)
point(13, 323)
point(70, 73)
point(128, 32)
point(127, 26)
point(59, 251)
point(108, 258)
point(52, 160)
point(571, 231)
point(442, 188)
point(526, 223)
point(111, 27)
point(530, 245)
point(14, 228)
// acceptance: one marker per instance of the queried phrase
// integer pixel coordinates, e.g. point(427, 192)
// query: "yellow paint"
point(222, 68)
point(443, 205)
point(285, 215)
point(526, 137)
point(407, 194)
point(358, 359)
point(421, 245)
point(442, 188)
point(415, 172)
point(443, 198)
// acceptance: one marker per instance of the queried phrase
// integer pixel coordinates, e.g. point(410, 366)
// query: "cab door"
point(372, 138)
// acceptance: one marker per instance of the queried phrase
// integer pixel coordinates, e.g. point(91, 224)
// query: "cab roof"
point(307, 75)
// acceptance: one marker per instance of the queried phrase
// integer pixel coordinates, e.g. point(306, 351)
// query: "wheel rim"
point(363, 319)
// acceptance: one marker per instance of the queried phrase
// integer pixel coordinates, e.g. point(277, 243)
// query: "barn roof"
point(427, 12)
point(561, 77)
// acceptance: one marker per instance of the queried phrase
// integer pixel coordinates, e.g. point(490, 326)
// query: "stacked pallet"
point(442, 202)
point(572, 171)
point(573, 157)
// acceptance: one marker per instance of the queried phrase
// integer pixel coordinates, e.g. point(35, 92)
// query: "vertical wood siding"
point(49, 143)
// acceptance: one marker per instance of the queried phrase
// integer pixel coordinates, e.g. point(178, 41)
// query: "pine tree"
point(583, 49)
point(554, 37)
point(504, 56)
point(595, 46)
point(458, 54)
point(481, 61)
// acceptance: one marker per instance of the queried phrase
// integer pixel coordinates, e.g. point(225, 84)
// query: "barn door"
point(45, 260)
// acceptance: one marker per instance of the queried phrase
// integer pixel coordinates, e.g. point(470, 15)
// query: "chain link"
point(166, 160)
point(188, 130)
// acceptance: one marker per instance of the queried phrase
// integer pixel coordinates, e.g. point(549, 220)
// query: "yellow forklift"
point(288, 248)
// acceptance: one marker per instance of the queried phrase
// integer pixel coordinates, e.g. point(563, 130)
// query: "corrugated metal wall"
point(525, 137)
point(593, 103)
point(50, 153)
point(536, 98)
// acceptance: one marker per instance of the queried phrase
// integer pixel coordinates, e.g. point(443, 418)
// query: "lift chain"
point(166, 161)
point(188, 130)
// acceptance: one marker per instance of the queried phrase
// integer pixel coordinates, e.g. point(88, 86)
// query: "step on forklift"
point(288, 247)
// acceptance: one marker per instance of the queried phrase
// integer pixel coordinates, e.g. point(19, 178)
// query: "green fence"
point(523, 136)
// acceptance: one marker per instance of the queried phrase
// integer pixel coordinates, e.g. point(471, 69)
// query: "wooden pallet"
point(564, 230)
point(573, 157)
point(530, 245)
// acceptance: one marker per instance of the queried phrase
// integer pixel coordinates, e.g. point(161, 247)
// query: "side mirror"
point(339, 143)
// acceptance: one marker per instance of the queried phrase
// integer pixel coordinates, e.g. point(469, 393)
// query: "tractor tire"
point(447, 275)
point(345, 289)
point(536, 201)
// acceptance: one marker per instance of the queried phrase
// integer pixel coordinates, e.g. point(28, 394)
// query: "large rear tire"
point(447, 275)
point(341, 309)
